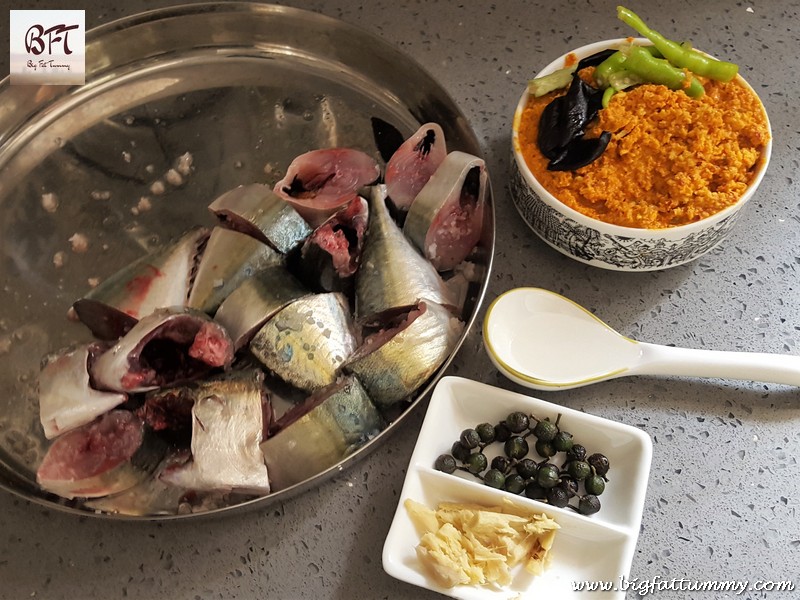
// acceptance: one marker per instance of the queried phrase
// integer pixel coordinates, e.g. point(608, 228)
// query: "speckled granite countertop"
point(724, 490)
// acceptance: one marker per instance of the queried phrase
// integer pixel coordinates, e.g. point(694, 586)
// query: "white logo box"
point(47, 47)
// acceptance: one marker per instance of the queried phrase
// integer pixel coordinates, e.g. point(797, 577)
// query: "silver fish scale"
point(306, 343)
point(229, 259)
point(334, 428)
point(256, 300)
point(255, 205)
point(393, 275)
point(393, 370)
point(226, 433)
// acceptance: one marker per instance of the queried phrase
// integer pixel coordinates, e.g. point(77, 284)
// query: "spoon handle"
point(751, 366)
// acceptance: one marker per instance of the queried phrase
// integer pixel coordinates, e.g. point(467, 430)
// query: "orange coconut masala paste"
point(672, 159)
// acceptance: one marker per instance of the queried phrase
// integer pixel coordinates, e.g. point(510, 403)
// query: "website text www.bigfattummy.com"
point(643, 587)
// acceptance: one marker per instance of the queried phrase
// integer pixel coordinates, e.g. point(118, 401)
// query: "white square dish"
point(599, 547)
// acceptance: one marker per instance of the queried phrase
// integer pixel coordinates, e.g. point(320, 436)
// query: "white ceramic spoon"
point(545, 341)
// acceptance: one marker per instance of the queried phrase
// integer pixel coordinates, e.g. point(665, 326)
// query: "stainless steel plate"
point(241, 88)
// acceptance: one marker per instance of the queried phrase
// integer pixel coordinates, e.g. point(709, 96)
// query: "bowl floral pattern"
point(616, 252)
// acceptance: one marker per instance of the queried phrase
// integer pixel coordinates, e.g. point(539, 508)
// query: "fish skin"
point(393, 275)
point(445, 220)
point(337, 420)
point(227, 429)
point(229, 259)
point(392, 371)
point(63, 476)
point(67, 399)
point(413, 164)
point(148, 498)
point(306, 343)
point(255, 301)
point(257, 211)
point(157, 280)
point(123, 367)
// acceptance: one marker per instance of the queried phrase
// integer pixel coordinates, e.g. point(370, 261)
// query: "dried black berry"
point(516, 447)
point(599, 463)
point(595, 485)
point(547, 476)
point(545, 449)
point(470, 438)
point(460, 452)
point(486, 432)
point(445, 463)
point(502, 463)
point(476, 463)
point(534, 491)
point(558, 496)
point(527, 468)
point(577, 452)
point(515, 484)
point(563, 441)
point(517, 422)
point(588, 504)
point(579, 469)
point(494, 478)
point(545, 431)
point(501, 432)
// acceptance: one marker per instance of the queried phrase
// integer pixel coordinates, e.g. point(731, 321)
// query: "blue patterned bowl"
point(612, 246)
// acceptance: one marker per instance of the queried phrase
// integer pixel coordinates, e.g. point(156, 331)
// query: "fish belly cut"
point(66, 397)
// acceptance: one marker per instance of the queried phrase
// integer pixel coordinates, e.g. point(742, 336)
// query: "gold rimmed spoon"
point(545, 341)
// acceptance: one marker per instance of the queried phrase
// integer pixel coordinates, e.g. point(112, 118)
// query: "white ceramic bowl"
point(612, 246)
point(599, 547)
